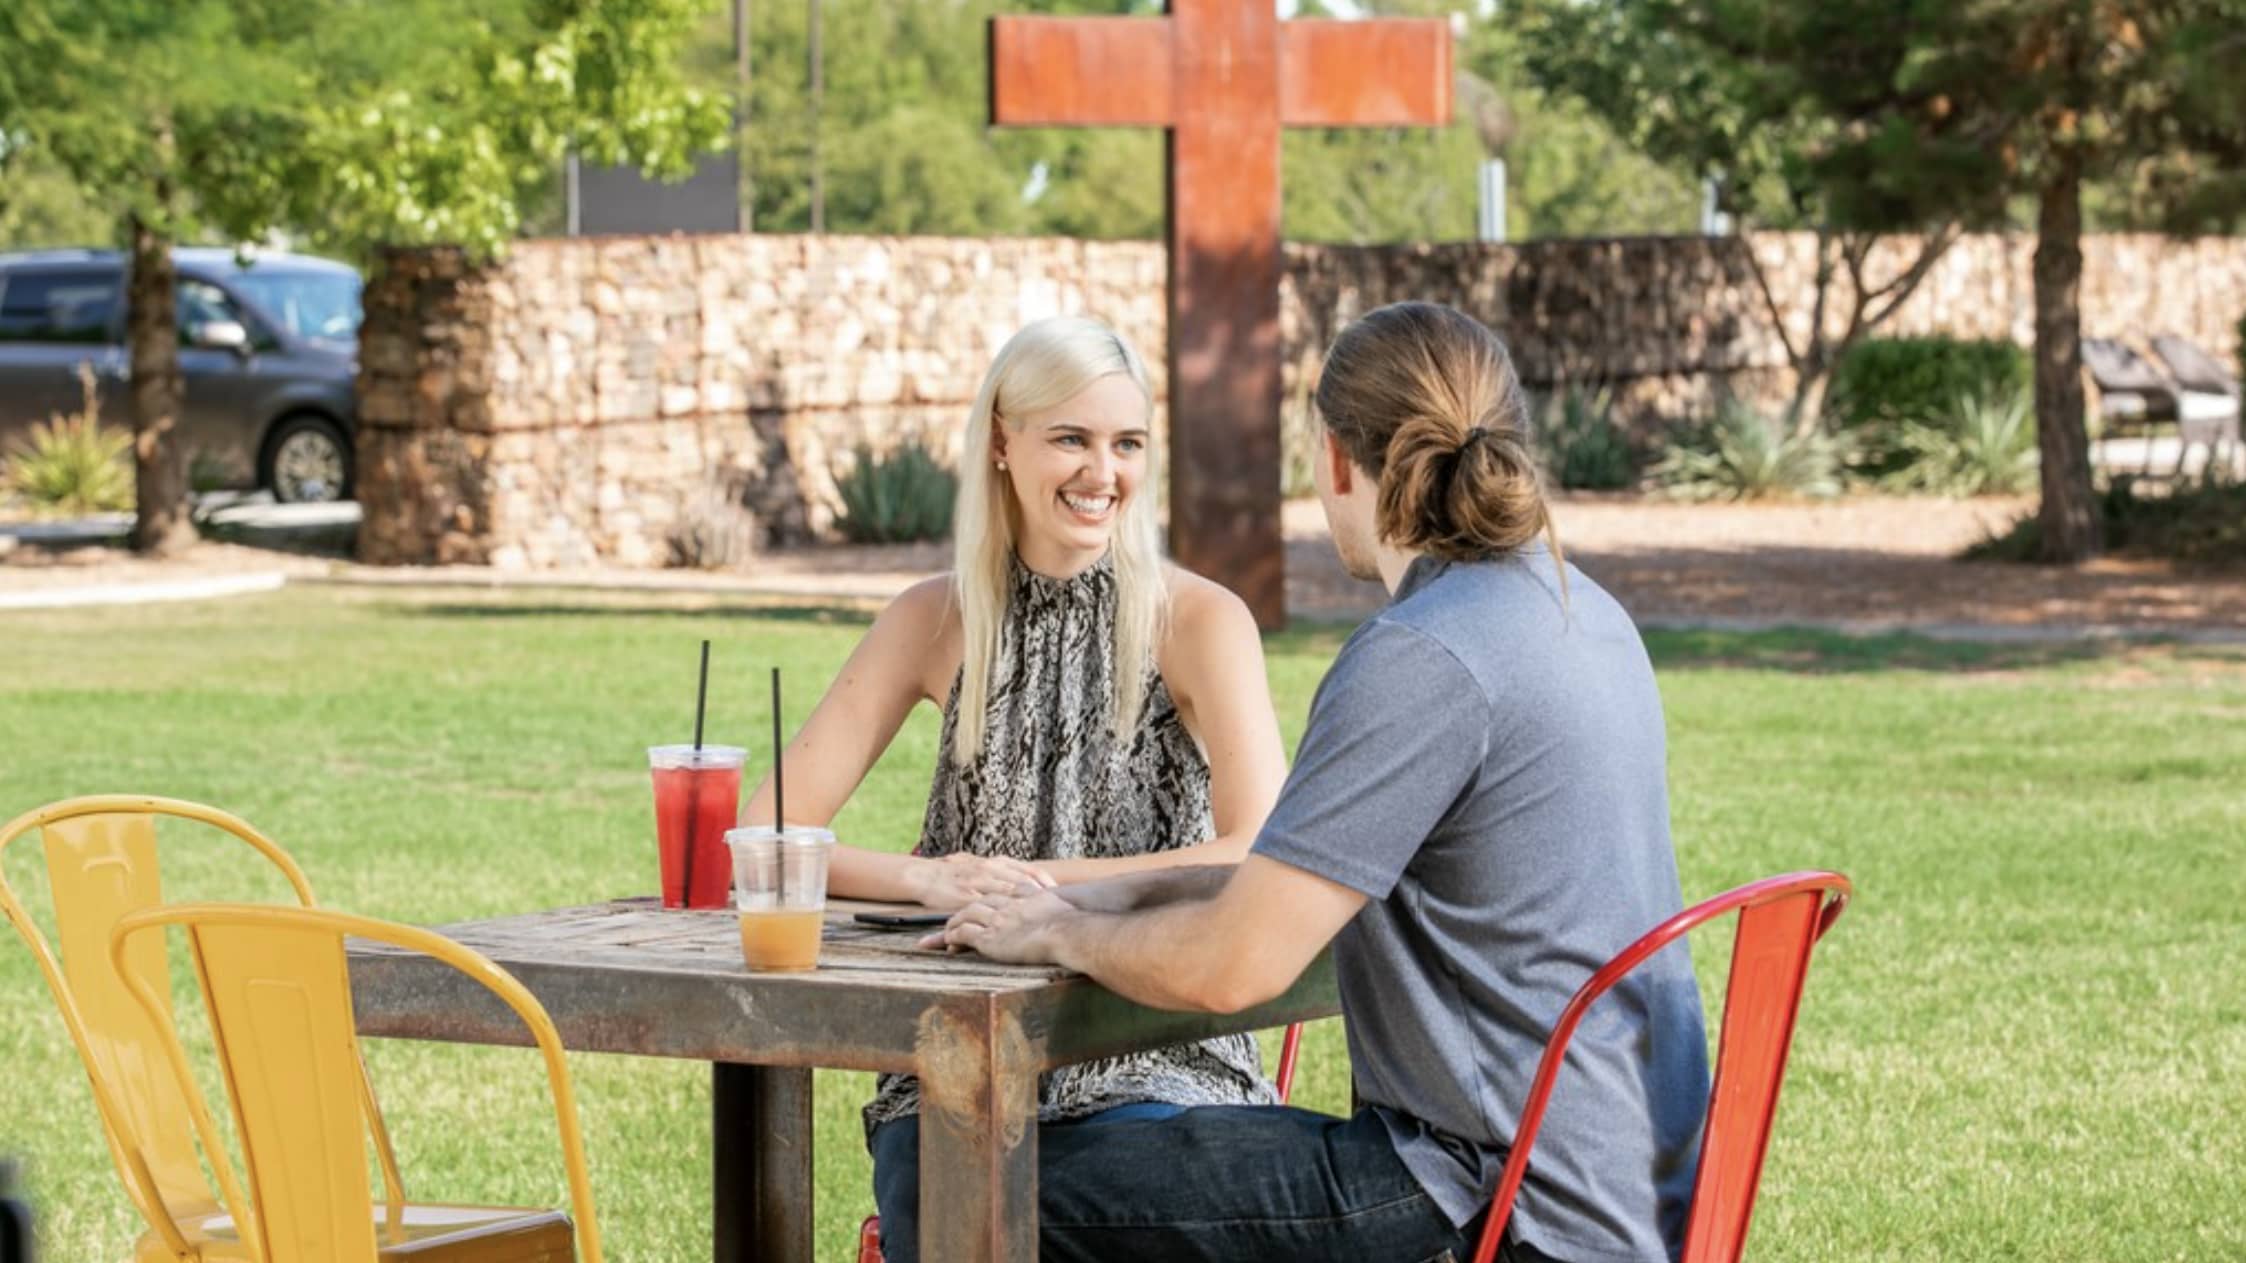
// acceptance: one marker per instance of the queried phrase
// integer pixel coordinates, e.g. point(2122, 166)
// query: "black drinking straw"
point(779, 816)
point(701, 696)
point(694, 796)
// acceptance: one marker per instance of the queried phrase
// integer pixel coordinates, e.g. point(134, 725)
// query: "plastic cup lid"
point(795, 835)
point(687, 756)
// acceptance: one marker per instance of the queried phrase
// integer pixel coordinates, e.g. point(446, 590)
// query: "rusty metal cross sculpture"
point(1223, 76)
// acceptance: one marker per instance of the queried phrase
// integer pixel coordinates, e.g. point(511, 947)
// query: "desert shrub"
point(2199, 523)
point(894, 497)
point(1583, 447)
point(70, 465)
point(713, 529)
point(1740, 454)
point(1984, 445)
point(1891, 381)
point(207, 473)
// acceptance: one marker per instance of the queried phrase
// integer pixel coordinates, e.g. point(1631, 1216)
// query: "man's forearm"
point(1135, 892)
point(1162, 957)
point(1243, 941)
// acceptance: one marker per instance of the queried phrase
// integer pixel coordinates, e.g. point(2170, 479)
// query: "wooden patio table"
point(628, 977)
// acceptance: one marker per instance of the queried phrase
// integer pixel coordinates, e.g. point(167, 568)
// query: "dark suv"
point(268, 347)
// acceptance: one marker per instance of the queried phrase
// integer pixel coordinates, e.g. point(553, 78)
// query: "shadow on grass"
point(1801, 651)
point(825, 615)
point(337, 540)
point(1810, 651)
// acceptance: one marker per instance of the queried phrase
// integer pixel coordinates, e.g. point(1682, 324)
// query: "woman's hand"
point(959, 879)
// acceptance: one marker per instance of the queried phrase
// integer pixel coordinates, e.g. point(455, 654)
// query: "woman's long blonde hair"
point(1046, 363)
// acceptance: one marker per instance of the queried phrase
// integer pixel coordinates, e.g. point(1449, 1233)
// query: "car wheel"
point(307, 461)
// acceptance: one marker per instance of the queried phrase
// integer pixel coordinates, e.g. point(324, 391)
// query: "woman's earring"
point(1002, 464)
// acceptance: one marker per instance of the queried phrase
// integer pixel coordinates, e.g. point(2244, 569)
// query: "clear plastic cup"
point(780, 892)
point(697, 795)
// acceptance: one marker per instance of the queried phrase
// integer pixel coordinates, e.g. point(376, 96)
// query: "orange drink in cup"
point(780, 894)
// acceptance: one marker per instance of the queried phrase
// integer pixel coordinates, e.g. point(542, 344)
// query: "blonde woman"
point(1477, 821)
point(1104, 712)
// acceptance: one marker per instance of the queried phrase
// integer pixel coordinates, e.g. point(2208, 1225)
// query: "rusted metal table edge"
point(860, 953)
point(979, 979)
point(753, 1022)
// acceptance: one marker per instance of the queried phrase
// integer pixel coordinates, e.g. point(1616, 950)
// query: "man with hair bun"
point(1477, 820)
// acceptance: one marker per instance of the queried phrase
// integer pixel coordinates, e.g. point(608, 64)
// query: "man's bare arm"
point(1133, 892)
point(1234, 950)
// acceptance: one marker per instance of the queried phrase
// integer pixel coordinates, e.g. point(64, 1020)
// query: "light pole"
point(818, 91)
point(747, 217)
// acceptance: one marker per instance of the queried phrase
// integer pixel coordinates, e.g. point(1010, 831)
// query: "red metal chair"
point(1780, 920)
point(869, 1232)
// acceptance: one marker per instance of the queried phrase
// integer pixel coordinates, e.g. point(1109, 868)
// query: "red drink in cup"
point(697, 792)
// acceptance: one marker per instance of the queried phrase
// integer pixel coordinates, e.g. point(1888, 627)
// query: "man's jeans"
point(1215, 1182)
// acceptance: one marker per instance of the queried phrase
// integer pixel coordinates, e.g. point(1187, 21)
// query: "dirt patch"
point(1863, 562)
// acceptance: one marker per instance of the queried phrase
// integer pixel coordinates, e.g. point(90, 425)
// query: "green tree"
point(1567, 173)
point(1944, 112)
point(902, 142)
point(1103, 184)
point(1367, 185)
point(904, 148)
point(1710, 87)
point(2044, 101)
point(351, 121)
point(41, 206)
point(1381, 184)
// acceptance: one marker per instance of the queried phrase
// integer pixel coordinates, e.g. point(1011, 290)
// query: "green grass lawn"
point(2024, 1041)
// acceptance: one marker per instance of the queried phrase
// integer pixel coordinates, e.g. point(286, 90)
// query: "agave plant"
point(896, 497)
point(1583, 446)
point(1740, 454)
point(1985, 446)
point(69, 465)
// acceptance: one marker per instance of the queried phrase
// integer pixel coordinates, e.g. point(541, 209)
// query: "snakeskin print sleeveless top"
point(1054, 783)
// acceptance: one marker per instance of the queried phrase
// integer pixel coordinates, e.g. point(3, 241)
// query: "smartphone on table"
point(902, 920)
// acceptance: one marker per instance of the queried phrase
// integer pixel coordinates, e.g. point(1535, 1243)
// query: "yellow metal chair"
point(102, 864)
point(278, 993)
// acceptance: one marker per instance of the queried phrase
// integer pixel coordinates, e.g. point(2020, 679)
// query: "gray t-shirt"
point(1489, 770)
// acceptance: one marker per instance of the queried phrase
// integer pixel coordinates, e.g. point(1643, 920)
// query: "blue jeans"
point(1216, 1182)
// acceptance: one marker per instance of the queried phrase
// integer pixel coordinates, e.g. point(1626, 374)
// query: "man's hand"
point(958, 879)
point(1010, 928)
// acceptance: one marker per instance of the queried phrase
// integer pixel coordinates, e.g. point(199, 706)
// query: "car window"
point(200, 303)
point(308, 304)
point(57, 305)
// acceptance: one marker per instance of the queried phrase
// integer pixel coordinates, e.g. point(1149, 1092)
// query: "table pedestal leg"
point(978, 1143)
point(760, 1119)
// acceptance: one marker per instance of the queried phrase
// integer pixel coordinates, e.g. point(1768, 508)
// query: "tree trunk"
point(2069, 518)
point(161, 524)
point(1811, 378)
point(1868, 308)
point(1814, 366)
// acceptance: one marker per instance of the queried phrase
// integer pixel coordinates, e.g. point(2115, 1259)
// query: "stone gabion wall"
point(1672, 324)
point(1668, 324)
point(681, 400)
